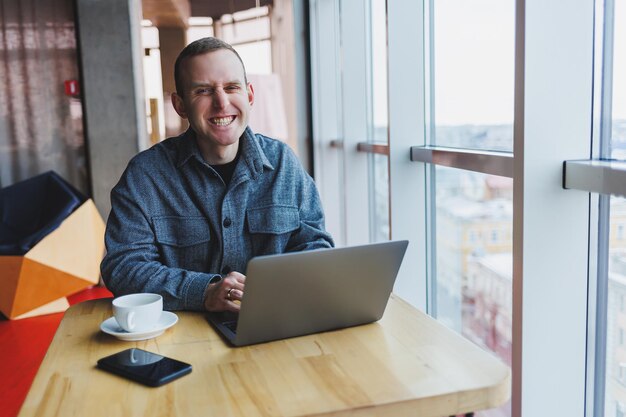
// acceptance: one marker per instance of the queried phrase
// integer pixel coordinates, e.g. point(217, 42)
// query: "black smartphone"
point(144, 367)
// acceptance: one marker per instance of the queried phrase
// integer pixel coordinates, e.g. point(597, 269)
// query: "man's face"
point(216, 99)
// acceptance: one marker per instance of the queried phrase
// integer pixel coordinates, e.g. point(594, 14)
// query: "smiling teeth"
point(222, 121)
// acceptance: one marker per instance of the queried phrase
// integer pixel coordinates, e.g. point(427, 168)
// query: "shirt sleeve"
point(312, 233)
point(132, 262)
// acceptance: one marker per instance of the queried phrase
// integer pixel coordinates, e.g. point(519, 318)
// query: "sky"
point(619, 62)
point(379, 59)
point(474, 50)
point(479, 36)
point(476, 36)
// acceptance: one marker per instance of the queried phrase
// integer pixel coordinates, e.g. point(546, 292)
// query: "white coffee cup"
point(138, 312)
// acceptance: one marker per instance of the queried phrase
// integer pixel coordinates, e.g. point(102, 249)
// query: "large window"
point(350, 123)
point(472, 221)
point(379, 163)
point(486, 100)
point(249, 32)
point(507, 271)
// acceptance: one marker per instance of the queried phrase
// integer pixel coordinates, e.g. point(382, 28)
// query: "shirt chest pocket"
point(273, 220)
point(184, 242)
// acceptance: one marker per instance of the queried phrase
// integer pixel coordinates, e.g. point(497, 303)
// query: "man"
point(189, 213)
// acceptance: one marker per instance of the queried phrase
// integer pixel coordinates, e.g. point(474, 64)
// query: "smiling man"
point(189, 213)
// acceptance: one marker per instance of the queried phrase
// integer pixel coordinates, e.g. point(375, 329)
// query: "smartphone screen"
point(144, 367)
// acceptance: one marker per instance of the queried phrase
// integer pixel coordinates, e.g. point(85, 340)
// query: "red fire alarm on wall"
point(71, 88)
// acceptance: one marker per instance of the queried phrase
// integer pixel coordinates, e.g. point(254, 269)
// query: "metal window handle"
point(366, 147)
point(486, 162)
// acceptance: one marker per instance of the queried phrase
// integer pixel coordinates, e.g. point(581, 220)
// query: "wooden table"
point(407, 364)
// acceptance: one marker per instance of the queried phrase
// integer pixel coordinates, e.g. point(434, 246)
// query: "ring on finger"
point(228, 296)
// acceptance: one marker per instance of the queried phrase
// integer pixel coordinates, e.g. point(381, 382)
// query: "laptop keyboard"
point(231, 325)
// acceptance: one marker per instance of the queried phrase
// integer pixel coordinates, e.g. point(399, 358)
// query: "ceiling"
point(174, 13)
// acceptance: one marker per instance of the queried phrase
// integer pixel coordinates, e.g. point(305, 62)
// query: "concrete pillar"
point(172, 40)
point(113, 91)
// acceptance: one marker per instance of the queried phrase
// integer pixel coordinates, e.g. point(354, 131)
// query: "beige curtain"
point(41, 127)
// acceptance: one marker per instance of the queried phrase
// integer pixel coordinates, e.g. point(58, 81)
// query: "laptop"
point(300, 293)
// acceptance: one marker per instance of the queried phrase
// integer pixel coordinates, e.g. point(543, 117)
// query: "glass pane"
point(618, 131)
point(473, 71)
point(247, 14)
point(616, 315)
point(246, 31)
point(379, 69)
point(379, 164)
point(615, 364)
point(380, 168)
point(256, 56)
point(474, 260)
point(41, 112)
point(199, 31)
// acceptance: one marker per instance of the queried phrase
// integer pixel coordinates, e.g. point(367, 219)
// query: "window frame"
point(539, 83)
point(553, 119)
point(342, 132)
point(600, 176)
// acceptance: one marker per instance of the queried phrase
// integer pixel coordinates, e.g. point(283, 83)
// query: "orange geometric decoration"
point(62, 263)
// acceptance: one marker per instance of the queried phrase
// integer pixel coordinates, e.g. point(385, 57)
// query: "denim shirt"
point(174, 225)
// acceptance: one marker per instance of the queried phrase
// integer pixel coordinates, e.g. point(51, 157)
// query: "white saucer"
point(167, 320)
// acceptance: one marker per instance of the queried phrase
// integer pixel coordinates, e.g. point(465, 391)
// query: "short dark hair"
point(199, 47)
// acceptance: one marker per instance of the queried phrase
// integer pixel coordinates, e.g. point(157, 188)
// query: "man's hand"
point(222, 295)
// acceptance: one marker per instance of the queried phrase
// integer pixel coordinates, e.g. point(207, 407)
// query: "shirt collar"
point(188, 148)
point(252, 154)
point(250, 151)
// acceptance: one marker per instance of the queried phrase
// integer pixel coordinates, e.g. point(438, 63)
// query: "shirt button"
point(227, 222)
point(225, 270)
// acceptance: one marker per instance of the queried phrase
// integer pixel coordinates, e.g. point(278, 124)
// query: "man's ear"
point(179, 105)
point(250, 94)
